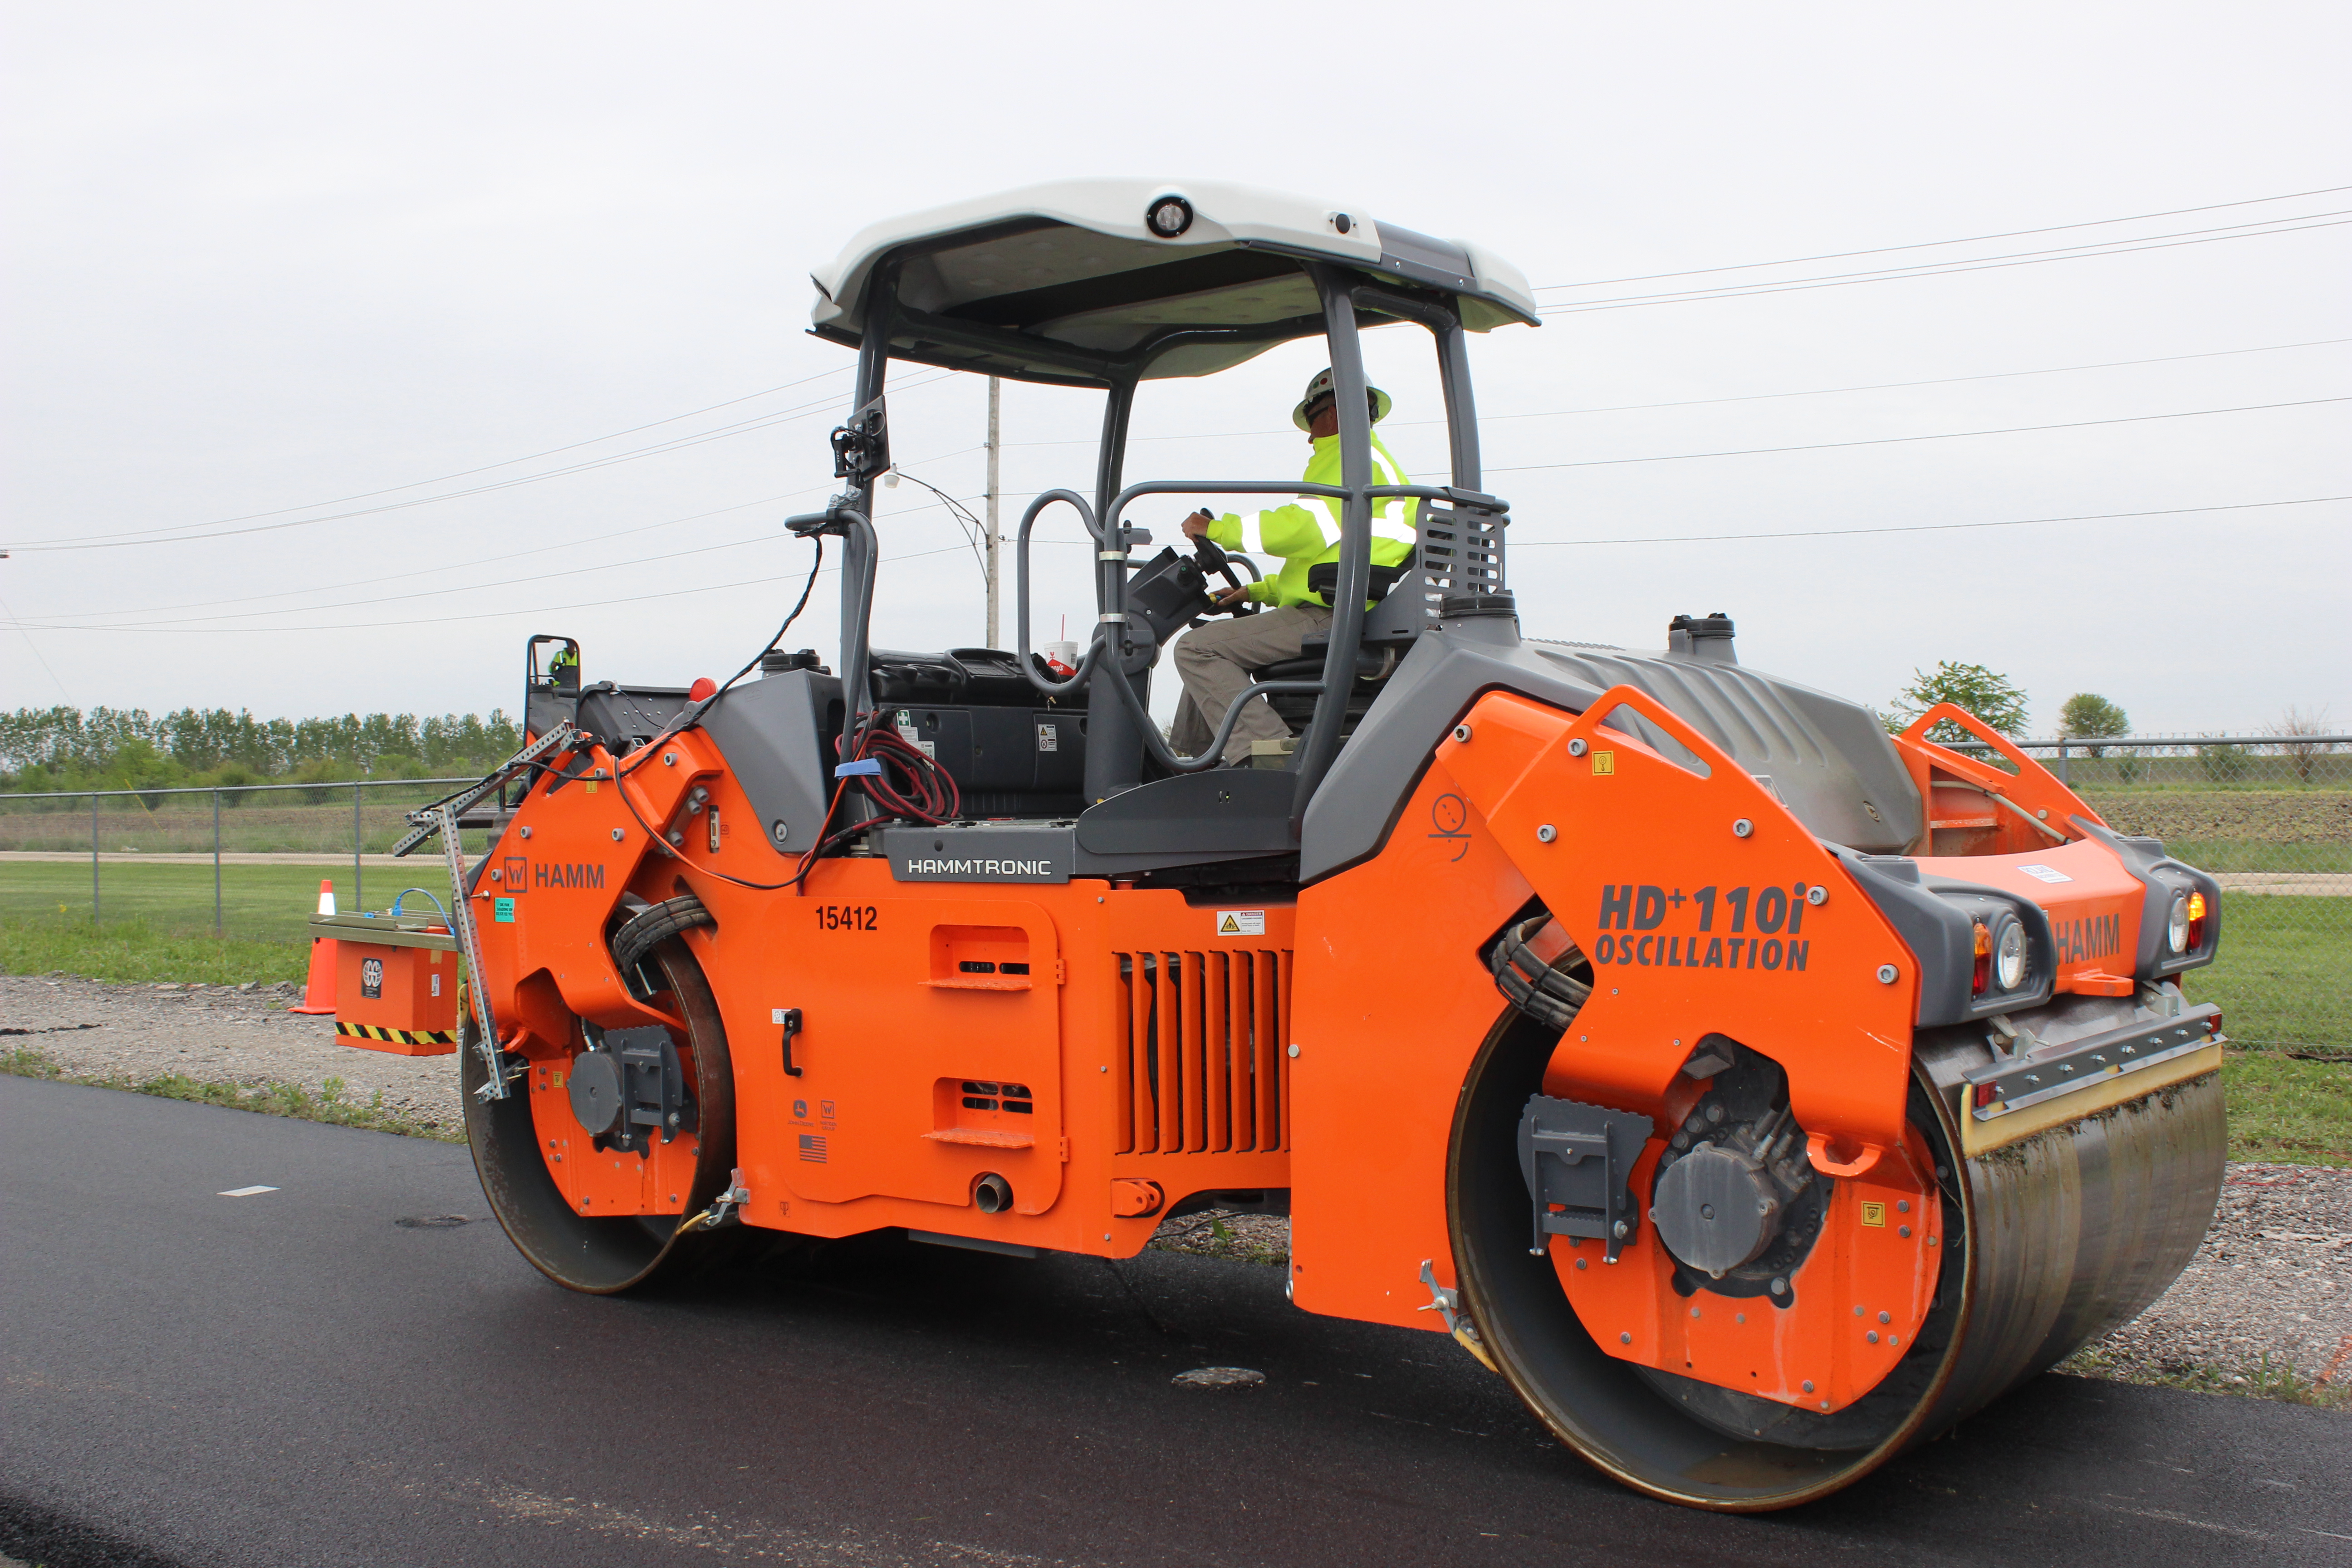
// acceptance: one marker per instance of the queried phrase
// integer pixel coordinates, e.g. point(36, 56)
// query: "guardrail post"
point(94, 858)
point(218, 929)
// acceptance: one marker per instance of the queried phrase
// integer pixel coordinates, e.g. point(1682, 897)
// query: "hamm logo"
point(576, 875)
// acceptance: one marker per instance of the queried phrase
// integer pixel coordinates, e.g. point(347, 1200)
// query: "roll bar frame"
point(1120, 732)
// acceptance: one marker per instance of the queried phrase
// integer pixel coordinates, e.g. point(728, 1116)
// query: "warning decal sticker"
point(2045, 873)
point(1240, 922)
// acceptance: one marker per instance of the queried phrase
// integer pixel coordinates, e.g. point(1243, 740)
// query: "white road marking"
point(244, 1191)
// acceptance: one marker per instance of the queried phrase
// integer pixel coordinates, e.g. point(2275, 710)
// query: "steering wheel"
point(1214, 559)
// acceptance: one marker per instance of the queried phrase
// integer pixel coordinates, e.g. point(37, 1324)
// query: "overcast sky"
point(259, 259)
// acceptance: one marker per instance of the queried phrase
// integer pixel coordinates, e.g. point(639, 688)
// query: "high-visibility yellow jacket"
point(1305, 534)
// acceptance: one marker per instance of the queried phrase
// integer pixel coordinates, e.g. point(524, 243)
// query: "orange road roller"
point(1757, 1092)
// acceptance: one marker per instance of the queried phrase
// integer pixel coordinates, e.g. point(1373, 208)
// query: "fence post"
point(358, 898)
point(94, 858)
point(2063, 777)
point(218, 929)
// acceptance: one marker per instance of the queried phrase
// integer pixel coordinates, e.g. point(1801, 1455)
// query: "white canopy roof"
point(1074, 265)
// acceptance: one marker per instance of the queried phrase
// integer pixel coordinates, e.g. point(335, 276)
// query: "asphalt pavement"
point(294, 1376)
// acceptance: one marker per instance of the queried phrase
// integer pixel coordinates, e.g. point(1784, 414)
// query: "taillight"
point(1981, 972)
point(1984, 1094)
point(2197, 912)
point(2213, 1024)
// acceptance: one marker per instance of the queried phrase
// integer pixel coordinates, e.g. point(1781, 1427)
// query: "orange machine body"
point(399, 994)
point(1108, 1051)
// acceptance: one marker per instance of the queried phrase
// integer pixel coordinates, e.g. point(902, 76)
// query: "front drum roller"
point(601, 1255)
point(2052, 1240)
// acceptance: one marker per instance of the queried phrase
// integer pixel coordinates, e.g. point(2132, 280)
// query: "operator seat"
point(1373, 667)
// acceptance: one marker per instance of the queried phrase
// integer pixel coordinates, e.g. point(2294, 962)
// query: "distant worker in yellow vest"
point(1215, 660)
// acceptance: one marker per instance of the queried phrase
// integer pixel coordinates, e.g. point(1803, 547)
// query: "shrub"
point(2087, 716)
point(1986, 693)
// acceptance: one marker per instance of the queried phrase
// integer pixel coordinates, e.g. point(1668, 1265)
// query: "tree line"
point(130, 748)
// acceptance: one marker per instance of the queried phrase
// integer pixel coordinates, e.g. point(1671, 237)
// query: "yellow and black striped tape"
point(397, 1036)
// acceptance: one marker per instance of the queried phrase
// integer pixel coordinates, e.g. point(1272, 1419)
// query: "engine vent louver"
point(1202, 1062)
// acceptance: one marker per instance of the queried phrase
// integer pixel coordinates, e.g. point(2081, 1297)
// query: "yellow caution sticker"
point(1604, 762)
point(1874, 1214)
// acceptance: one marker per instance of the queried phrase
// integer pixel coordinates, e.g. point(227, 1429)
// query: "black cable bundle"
point(1547, 992)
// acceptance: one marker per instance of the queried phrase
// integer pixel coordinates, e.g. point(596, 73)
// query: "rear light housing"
point(1980, 971)
point(2198, 911)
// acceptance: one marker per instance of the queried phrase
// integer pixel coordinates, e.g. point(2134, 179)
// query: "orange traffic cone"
point(319, 992)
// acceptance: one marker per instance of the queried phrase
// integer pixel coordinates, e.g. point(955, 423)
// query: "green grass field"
point(259, 903)
point(2282, 978)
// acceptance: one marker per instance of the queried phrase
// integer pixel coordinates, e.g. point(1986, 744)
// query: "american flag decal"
point(813, 1147)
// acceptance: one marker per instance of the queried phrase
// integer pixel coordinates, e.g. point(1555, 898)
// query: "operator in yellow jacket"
point(1214, 661)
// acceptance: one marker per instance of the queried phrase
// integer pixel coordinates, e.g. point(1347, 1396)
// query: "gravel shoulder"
point(2266, 1307)
point(213, 1034)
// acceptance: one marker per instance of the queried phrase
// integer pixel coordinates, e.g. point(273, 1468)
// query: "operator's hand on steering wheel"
point(1232, 599)
point(1196, 525)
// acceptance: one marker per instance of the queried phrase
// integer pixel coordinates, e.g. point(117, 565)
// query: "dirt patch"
point(2250, 817)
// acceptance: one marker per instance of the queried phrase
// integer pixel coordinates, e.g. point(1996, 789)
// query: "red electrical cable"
point(912, 785)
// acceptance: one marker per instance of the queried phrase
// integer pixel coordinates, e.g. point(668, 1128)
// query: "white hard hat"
point(1324, 386)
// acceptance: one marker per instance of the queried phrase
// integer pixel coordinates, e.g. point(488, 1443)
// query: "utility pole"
point(995, 398)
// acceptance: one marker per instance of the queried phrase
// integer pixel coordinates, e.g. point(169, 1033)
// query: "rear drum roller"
point(2049, 1242)
point(601, 1255)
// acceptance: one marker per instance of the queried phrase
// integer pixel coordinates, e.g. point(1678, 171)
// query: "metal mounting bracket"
point(441, 818)
point(1578, 1160)
point(1447, 1304)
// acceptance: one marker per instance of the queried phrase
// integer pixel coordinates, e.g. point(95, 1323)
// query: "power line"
point(2103, 247)
point(1904, 385)
point(965, 520)
point(1896, 276)
point(1925, 527)
point(184, 622)
point(486, 468)
point(1938, 244)
point(1537, 543)
point(1875, 441)
point(1486, 418)
point(412, 621)
point(1895, 440)
point(378, 579)
point(189, 622)
point(36, 648)
point(742, 427)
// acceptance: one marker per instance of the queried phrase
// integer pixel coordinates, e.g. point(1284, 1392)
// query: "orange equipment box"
point(396, 981)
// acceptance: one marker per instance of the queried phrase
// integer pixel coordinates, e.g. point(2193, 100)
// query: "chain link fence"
point(240, 861)
point(2270, 815)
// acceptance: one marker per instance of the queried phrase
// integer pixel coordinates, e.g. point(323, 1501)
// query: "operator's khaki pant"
point(1215, 661)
